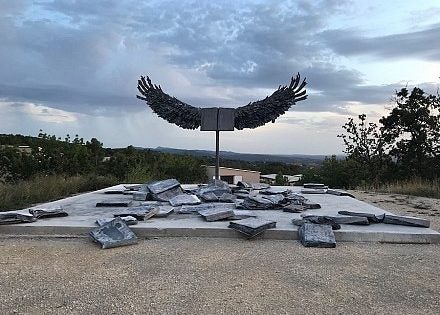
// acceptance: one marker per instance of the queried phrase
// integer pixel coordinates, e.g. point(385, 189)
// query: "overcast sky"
point(71, 67)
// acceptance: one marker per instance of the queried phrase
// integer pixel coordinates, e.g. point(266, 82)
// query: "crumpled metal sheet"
point(114, 234)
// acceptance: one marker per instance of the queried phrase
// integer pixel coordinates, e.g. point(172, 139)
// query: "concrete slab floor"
point(83, 214)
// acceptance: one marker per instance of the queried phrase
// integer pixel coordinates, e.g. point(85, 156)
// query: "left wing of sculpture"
point(167, 107)
point(258, 113)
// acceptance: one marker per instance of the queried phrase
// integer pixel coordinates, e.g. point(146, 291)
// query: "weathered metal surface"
point(15, 218)
point(317, 235)
point(184, 199)
point(252, 226)
point(213, 119)
point(48, 213)
point(253, 115)
point(113, 234)
point(405, 220)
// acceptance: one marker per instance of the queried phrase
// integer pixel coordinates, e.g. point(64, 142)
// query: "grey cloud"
point(419, 44)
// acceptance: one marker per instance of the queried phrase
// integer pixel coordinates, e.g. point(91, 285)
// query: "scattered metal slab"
point(315, 186)
point(15, 218)
point(317, 235)
point(292, 208)
point(114, 234)
point(129, 220)
point(114, 192)
point(48, 213)
point(242, 214)
point(226, 197)
point(217, 187)
point(141, 213)
point(140, 195)
point(313, 191)
point(372, 218)
point(184, 199)
point(164, 211)
point(405, 220)
point(339, 193)
point(252, 226)
point(164, 190)
point(216, 213)
point(114, 203)
point(208, 197)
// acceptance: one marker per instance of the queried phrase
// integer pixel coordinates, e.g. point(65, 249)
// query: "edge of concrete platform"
point(18, 230)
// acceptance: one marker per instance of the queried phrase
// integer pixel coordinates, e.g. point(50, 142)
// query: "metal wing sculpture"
point(253, 115)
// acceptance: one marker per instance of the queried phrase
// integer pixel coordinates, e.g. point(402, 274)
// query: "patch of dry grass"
point(47, 188)
point(415, 187)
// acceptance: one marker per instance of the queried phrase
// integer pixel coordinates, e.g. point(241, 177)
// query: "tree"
point(366, 146)
point(413, 130)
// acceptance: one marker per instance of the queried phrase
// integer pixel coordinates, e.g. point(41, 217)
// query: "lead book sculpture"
point(253, 115)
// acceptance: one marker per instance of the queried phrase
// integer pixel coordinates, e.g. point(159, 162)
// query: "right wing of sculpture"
point(258, 113)
point(167, 107)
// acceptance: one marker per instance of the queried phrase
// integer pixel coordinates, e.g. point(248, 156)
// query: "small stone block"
point(317, 235)
point(113, 234)
point(140, 195)
point(404, 220)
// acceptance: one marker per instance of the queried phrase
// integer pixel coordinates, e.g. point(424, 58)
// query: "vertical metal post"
point(217, 155)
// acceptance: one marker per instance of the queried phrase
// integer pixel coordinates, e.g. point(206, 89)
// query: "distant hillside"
point(249, 157)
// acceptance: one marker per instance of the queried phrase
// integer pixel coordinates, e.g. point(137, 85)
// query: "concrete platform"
point(83, 214)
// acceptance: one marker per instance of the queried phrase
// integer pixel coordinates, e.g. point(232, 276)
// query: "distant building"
point(291, 179)
point(234, 175)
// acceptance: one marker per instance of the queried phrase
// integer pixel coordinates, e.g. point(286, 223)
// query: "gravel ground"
point(217, 276)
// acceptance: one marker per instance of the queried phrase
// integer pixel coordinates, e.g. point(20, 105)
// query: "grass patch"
point(48, 188)
point(415, 187)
